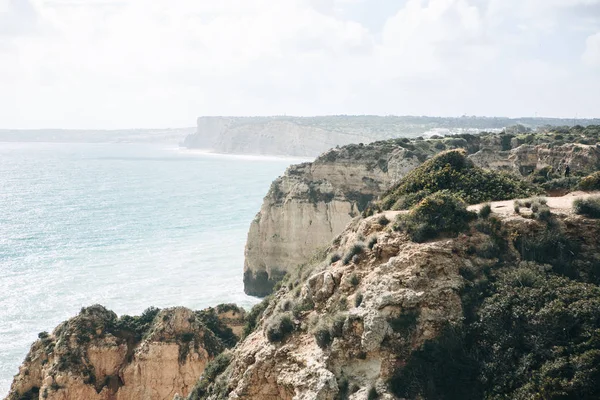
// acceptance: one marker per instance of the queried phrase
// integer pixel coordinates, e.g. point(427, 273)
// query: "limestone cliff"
point(267, 136)
point(312, 202)
point(97, 356)
point(378, 323)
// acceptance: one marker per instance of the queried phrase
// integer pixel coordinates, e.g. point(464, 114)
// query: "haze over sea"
point(123, 225)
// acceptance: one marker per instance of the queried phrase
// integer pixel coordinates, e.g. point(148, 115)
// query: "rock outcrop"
point(267, 136)
point(312, 202)
point(356, 323)
point(97, 356)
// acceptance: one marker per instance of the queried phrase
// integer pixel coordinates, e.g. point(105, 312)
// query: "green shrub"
point(337, 325)
point(453, 171)
point(354, 280)
point(214, 368)
point(590, 182)
point(355, 250)
point(279, 327)
point(358, 300)
point(561, 185)
point(485, 211)
point(138, 325)
point(334, 258)
point(372, 242)
point(255, 315)
point(302, 306)
point(323, 336)
point(440, 213)
point(373, 394)
point(589, 207)
point(383, 220)
point(404, 322)
point(212, 321)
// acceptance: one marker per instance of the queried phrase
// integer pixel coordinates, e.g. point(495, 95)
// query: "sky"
point(107, 64)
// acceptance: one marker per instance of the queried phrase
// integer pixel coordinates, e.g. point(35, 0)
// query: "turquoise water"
point(126, 226)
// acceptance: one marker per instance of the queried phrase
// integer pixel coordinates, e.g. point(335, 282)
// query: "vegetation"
point(355, 250)
point(591, 182)
point(485, 211)
point(439, 213)
point(210, 318)
point(214, 368)
point(453, 172)
point(528, 334)
point(358, 299)
point(354, 279)
point(279, 327)
point(589, 207)
point(383, 220)
point(372, 395)
point(255, 315)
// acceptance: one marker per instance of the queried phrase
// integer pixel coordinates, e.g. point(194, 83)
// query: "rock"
point(312, 203)
point(95, 355)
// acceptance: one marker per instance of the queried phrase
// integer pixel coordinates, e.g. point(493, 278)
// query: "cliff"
point(379, 316)
point(266, 136)
point(311, 136)
point(96, 355)
point(312, 203)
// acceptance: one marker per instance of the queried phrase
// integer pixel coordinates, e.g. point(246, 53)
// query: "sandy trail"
point(558, 205)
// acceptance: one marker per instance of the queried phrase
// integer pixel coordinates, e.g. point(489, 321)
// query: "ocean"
point(122, 225)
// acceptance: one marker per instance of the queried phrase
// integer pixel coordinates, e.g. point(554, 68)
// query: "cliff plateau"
point(436, 320)
point(313, 202)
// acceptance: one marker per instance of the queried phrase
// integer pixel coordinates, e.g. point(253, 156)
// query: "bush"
point(212, 321)
point(323, 336)
point(383, 220)
point(358, 300)
point(454, 172)
point(255, 315)
point(372, 242)
point(590, 182)
point(440, 213)
point(561, 185)
point(589, 207)
point(356, 249)
point(302, 306)
point(354, 280)
point(485, 211)
point(214, 368)
point(372, 395)
point(279, 327)
point(334, 258)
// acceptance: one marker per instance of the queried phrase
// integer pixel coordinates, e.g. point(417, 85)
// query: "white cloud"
point(116, 63)
point(591, 55)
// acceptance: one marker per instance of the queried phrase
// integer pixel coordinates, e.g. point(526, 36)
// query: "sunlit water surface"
point(125, 226)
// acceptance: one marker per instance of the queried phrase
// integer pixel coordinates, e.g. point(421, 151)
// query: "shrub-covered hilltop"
point(453, 172)
point(313, 202)
point(426, 297)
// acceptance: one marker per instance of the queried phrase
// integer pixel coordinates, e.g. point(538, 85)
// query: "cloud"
point(591, 55)
point(125, 63)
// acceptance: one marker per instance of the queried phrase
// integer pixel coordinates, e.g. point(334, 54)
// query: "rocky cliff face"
point(97, 356)
point(347, 329)
point(312, 203)
point(267, 136)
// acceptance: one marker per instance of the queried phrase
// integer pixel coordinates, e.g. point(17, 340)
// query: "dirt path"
point(559, 205)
